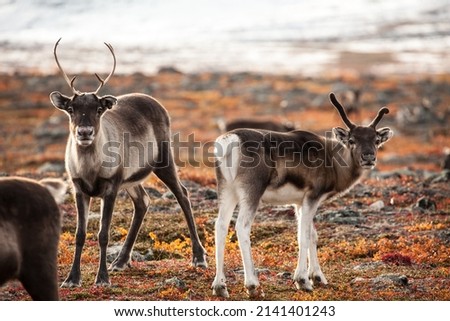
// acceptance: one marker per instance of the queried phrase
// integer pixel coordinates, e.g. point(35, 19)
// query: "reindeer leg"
point(247, 213)
point(40, 279)
point(315, 272)
point(82, 202)
point(228, 202)
point(107, 205)
point(141, 201)
point(306, 215)
point(168, 176)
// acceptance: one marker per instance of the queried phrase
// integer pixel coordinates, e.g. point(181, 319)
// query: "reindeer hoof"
point(103, 283)
point(102, 279)
point(70, 284)
point(200, 263)
point(303, 284)
point(318, 280)
point(115, 266)
point(255, 291)
point(221, 290)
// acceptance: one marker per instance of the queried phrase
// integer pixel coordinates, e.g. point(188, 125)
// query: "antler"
point(104, 81)
point(341, 111)
point(70, 82)
point(380, 115)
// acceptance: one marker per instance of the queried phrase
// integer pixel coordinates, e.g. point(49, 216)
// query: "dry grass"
point(397, 240)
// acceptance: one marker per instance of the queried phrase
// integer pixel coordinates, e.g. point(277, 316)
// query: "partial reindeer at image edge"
point(30, 227)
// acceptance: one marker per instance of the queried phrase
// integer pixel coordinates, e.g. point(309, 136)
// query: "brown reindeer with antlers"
point(299, 168)
point(115, 143)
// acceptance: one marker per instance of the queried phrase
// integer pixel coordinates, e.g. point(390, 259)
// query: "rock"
point(175, 281)
point(137, 257)
point(394, 174)
point(191, 185)
point(358, 280)
point(149, 255)
point(444, 235)
point(50, 167)
point(153, 192)
point(94, 216)
point(377, 206)
point(257, 271)
point(210, 194)
point(425, 203)
point(168, 195)
point(388, 279)
point(341, 217)
point(284, 275)
point(113, 251)
point(442, 177)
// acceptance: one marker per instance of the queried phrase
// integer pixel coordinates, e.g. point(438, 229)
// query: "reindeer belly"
point(286, 194)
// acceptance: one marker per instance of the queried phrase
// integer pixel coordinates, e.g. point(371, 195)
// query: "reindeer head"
point(84, 109)
point(363, 141)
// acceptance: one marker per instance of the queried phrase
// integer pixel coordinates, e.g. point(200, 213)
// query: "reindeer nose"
point(85, 131)
point(368, 157)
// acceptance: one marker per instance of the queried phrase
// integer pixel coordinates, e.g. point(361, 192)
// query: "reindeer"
point(351, 98)
point(115, 143)
point(30, 225)
point(257, 124)
point(299, 168)
point(284, 126)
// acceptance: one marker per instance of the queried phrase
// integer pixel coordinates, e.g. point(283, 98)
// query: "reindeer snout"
point(368, 157)
point(85, 135)
point(85, 131)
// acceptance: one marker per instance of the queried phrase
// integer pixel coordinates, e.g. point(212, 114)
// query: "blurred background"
point(282, 36)
point(210, 62)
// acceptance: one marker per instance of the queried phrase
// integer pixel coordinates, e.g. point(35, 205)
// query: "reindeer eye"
point(99, 111)
point(70, 110)
point(351, 141)
point(378, 141)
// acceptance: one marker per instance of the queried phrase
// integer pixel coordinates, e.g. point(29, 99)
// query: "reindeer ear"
point(341, 134)
point(108, 101)
point(59, 100)
point(384, 134)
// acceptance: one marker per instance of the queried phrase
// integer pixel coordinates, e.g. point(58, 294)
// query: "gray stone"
point(210, 194)
point(153, 192)
point(284, 275)
point(175, 281)
point(50, 167)
point(257, 271)
point(425, 203)
point(341, 217)
point(377, 206)
point(168, 195)
point(442, 177)
point(394, 174)
point(113, 251)
point(387, 279)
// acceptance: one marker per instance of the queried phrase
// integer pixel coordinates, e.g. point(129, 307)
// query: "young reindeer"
point(299, 168)
point(114, 144)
